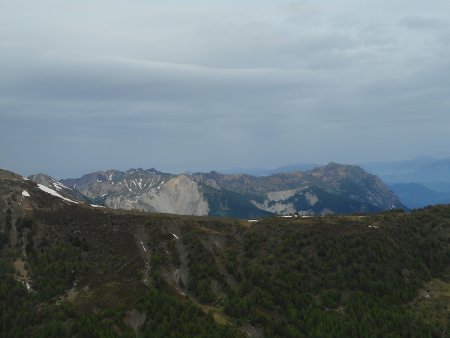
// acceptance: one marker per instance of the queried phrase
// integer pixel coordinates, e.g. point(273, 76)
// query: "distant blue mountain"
point(247, 171)
point(422, 170)
point(418, 182)
point(289, 168)
point(415, 195)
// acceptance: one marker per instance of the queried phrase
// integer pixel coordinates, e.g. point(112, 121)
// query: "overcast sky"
point(200, 85)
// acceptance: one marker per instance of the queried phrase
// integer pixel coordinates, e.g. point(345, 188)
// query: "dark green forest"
point(105, 273)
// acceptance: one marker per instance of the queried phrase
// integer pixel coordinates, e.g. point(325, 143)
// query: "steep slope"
point(59, 188)
point(354, 183)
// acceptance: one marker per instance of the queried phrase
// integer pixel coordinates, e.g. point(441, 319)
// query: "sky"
point(203, 85)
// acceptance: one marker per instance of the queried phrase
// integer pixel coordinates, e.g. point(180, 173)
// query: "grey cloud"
point(421, 23)
point(207, 86)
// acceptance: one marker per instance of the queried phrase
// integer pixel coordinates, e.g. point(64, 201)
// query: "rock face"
point(148, 190)
point(334, 188)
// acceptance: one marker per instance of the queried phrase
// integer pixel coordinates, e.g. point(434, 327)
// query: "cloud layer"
point(101, 84)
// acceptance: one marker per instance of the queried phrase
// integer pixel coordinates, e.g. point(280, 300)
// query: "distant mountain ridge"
point(415, 195)
point(331, 189)
point(423, 170)
point(418, 182)
point(289, 168)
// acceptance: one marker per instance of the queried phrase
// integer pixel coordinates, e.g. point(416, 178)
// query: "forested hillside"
point(70, 270)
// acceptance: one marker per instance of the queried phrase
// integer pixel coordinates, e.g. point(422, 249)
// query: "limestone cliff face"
point(180, 195)
point(147, 190)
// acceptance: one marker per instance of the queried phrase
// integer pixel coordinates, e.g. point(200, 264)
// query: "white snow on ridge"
point(126, 184)
point(59, 185)
point(25, 193)
point(97, 206)
point(175, 236)
point(53, 192)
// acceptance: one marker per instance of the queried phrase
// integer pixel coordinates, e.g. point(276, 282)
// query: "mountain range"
point(331, 189)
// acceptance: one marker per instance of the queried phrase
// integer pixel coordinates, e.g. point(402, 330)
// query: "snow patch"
point(54, 193)
point(181, 292)
point(97, 206)
point(126, 183)
point(25, 193)
point(175, 236)
point(143, 247)
point(59, 185)
point(159, 186)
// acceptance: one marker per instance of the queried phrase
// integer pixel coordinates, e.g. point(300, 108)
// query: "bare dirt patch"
point(135, 319)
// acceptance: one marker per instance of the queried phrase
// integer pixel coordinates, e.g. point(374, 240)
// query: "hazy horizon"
point(235, 169)
point(202, 86)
